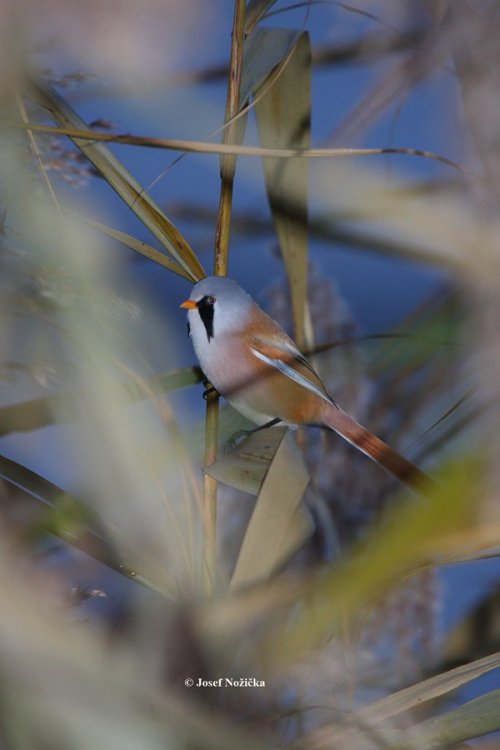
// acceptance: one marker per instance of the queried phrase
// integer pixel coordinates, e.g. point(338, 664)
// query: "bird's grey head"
point(220, 304)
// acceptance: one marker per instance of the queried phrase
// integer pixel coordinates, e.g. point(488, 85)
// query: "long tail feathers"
point(369, 444)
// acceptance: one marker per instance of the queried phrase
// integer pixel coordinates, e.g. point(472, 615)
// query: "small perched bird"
point(252, 362)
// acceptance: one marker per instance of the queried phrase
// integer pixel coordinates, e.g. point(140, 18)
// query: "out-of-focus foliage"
point(328, 578)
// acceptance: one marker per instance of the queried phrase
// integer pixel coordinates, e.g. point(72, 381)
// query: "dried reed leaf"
point(265, 52)
point(426, 690)
point(416, 535)
point(138, 245)
point(474, 719)
point(276, 527)
point(300, 530)
point(283, 114)
point(255, 10)
point(120, 179)
point(203, 147)
point(246, 466)
point(39, 497)
point(63, 408)
point(55, 511)
point(403, 700)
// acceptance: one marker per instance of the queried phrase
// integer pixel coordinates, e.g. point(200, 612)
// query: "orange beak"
point(189, 304)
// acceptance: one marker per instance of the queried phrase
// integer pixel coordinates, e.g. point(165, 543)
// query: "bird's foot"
point(209, 388)
point(239, 437)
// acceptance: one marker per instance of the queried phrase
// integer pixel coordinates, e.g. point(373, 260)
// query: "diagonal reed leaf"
point(402, 700)
point(61, 408)
point(134, 244)
point(120, 179)
point(269, 463)
point(58, 512)
point(474, 719)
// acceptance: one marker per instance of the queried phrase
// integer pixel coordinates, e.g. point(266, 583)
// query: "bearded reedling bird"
point(251, 361)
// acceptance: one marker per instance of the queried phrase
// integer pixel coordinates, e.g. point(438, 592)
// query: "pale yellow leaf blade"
point(283, 114)
point(275, 529)
point(474, 719)
point(265, 52)
point(137, 245)
point(300, 530)
point(246, 466)
point(427, 690)
point(415, 536)
point(403, 700)
point(120, 179)
point(254, 12)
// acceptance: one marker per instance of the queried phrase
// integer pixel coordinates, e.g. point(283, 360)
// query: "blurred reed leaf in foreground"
point(101, 459)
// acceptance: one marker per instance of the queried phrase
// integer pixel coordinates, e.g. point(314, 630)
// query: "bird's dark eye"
point(210, 300)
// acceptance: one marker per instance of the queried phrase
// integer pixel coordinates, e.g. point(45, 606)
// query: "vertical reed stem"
point(227, 168)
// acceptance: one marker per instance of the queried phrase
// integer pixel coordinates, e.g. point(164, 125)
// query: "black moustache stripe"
point(206, 311)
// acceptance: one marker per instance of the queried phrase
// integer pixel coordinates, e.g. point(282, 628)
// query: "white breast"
point(223, 362)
